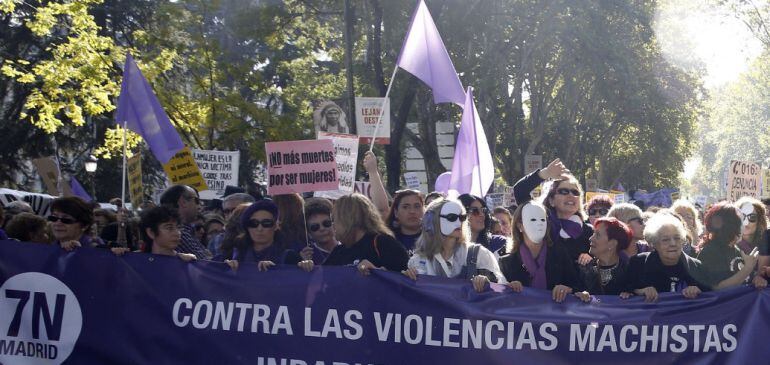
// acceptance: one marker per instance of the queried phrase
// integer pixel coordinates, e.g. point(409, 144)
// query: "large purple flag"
point(472, 168)
point(425, 57)
point(140, 109)
point(78, 190)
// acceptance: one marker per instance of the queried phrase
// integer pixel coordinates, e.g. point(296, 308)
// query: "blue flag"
point(78, 190)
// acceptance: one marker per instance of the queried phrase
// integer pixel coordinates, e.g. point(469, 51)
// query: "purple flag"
point(472, 168)
point(424, 56)
point(139, 107)
point(78, 190)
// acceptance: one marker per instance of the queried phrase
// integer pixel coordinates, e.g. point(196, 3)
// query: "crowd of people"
point(556, 242)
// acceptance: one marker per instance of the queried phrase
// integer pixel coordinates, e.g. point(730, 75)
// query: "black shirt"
point(385, 251)
point(407, 240)
point(646, 269)
point(558, 269)
point(598, 279)
point(720, 262)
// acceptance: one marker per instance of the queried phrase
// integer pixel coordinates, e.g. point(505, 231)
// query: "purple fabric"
point(472, 168)
point(572, 228)
point(78, 190)
point(424, 56)
point(535, 267)
point(140, 109)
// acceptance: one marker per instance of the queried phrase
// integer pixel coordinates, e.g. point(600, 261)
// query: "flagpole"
point(123, 181)
point(382, 108)
point(476, 142)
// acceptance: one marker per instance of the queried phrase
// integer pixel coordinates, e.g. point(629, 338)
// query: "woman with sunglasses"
point(318, 212)
point(261, 242)
point(444, 250)
point(535, 261)
point(71, 220)
point(598, 207)
point(631, 215)
point(754, 223)
point(724, 264)
point(564, 204)
point(480, 224)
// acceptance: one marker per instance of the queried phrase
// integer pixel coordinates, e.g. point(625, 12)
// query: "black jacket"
point(559, 270)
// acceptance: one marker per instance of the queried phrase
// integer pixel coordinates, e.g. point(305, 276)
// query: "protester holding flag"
point(444, 249)
point(687, 211)
point(631, 215)
point(533, 260)
point(564, 202)
point(724, 264)
point(667, 268)
point(186, 202)
point(366, 241)
point(480, 224)
point(318, 212)
point(71, 220)
point(161, 233)
point(606, 274)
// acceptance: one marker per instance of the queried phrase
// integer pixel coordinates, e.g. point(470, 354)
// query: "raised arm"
point(379, 196)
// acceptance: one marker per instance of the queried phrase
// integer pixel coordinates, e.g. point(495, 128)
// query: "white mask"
point(746, 209)
point(533, 218)
point(451, 208)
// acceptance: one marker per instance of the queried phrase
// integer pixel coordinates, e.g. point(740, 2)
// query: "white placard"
point(367, 113)
point(532, 163)
point(412, 180)
point(346, 156)
point(219, 169)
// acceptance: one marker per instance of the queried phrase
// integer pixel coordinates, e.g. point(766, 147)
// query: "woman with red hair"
point(606, 273)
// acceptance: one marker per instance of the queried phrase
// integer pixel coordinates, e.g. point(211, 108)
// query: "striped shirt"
point(190, 244)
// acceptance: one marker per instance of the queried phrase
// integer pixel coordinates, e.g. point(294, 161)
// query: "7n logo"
point(40, 311)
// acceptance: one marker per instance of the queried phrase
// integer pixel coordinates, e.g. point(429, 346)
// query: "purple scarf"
point(571, 228)
point(536, 267)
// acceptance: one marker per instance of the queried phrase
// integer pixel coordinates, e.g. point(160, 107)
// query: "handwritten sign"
point(367, 112)
point(412, 180)
point(182, 169)
point(744, 179)
point(300, 166)
point(135, 186)
point(361, 187)
point(219, 169)
point(346, 156)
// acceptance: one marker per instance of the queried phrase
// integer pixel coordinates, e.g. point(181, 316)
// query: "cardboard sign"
point(182, 169)
point(367, 113)
point(219, 169)
point(135, 186)
point(346, 156)
point(744, 179)
point(412, 180)
point(532, 163)
point(300, 166)
point(49, 171)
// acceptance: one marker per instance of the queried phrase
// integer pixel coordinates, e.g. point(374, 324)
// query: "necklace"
point(606, 273)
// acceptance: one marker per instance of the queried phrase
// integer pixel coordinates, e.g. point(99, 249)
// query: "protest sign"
point(329, 117)
point(592, 184)
point(300, 166)
point(532, 163)
point(701, 200)
point(135, 186)
point(367, 113)
point(744, 179)
point(346, 157)
point(412, 180)
point(182, 169)
point(766, 183)
point(219, 169)
point(53, 312)
point(361, 187)
point(495, 200)
point(49, 171)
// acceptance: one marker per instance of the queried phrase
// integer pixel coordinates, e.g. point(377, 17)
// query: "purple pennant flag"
point(139, 107)
point(425, 57)
point(78, 190)
point(472, 168)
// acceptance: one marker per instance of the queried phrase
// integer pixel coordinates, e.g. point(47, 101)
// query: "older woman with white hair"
point(666, 269)
point(444, 249)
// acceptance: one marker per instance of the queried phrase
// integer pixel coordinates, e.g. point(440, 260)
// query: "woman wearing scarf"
point(564, 204)
point(444, 250)
point(534, 261)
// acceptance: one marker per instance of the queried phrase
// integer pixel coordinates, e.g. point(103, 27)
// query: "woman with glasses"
point(687, 211)
point(598, 207)
point(71, 220)
point(754, 223)
point(444, 250)
point(724, 264)
point(261, 242)
point(366, 242)
point(320, 229)
point(533, 260)
point(564, 204)
point(632, 216)
point(666, 269)
point(481, 224)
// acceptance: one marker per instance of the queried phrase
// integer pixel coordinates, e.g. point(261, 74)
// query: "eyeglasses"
point(316, 226)
point(752, 218)
point(53, 218)
point(454, 217)
point(638, 219)
point(599, 211)
point(565, 191)
point(477, 211)
point(255, 223)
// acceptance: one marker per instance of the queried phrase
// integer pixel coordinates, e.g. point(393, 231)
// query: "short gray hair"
point(657, 222)
point(625, 212)
point(241, 197)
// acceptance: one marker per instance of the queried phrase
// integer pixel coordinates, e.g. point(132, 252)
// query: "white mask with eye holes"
point(451, 209)
point(533, 218)
point(746, 209)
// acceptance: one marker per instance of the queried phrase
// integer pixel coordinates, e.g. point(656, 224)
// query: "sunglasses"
point(53, 218)
point(316, 226)
point(565, 191)
point(454, 217)
point(476, 211)
point(752, 218)
point(267, 223)
point(599, 211)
